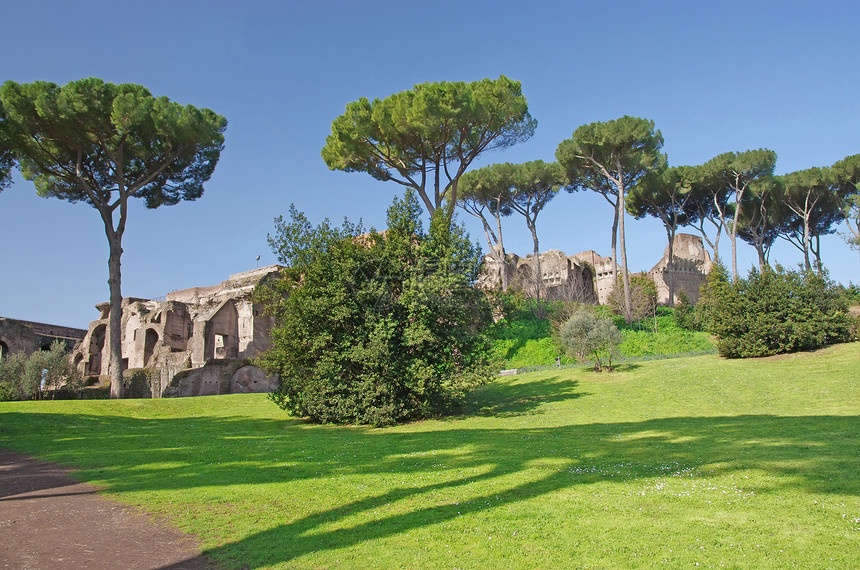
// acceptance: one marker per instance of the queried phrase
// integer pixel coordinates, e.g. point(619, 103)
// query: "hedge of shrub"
point(775, 311)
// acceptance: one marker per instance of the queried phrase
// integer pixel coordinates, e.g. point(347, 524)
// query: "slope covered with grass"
point(527, 340)
point(681, 462)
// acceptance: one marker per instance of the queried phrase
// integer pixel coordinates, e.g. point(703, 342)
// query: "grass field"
point(678, 463)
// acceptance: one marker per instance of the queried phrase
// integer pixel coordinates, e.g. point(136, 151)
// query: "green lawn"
point(745, 464)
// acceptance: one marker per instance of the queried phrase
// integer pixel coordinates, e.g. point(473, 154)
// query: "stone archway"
point(97, 345)
point(149, 344)
point(4, 350)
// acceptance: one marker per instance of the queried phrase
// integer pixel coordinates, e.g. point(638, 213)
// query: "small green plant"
point(684, 314)
point(588, 337)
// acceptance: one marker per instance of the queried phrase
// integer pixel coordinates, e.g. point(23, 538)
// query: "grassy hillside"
point(527, 341)
point(693, 461)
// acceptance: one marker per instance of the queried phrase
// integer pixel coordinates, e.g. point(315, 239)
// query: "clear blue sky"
point(714, 76)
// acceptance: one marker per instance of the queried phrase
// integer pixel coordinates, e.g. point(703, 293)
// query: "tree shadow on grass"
point(520, 398)
point(815, 453)
point(418, 478)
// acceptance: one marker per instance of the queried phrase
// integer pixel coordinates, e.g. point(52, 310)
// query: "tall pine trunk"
point(537, 270)
point(806, 245)
point(670, 267)
point(625, 274)
point(762, 260)
point(613, 246)
point(502, 255)
point(115, 317)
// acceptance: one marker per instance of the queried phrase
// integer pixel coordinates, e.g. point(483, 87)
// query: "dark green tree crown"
point(101, 135)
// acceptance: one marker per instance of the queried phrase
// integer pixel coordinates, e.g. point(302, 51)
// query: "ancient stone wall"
point(587, 276)
point(562, 277)
point(28, 337)
point(689, 269)
point(188, 329)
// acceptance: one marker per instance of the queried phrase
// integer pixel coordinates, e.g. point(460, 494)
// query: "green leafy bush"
point(643, 295)
point(776, 311)
point(585, 336)
point(684, 313)
point(376, 328)
point(21, 375)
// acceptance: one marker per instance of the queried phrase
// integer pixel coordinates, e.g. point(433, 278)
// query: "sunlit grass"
point(527, 341)
point(700, 460)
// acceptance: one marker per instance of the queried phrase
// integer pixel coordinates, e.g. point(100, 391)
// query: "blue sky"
point(714, 76)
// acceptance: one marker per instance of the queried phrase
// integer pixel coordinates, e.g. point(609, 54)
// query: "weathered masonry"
point(587, 277)
point(28, 337)
point(184, 332)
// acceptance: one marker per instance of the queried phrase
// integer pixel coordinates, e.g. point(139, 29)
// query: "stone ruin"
point(587, 276)
point(193, 342)
point(564, 277)
point(28, 337)
point(198, 341)
point(690, 268)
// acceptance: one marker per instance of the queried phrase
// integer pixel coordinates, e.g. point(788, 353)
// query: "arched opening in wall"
point(149, 344)
point(222, 339)
point(97, 345)
point(4, 350)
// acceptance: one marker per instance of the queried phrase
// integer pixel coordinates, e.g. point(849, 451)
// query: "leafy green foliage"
point(587, 337)
point(21, 375)
point(7, 160)
point(776, 311)
point(425, 138)
point(684, 314)
point(104, 144)
point(88, 139)
point(376, 328)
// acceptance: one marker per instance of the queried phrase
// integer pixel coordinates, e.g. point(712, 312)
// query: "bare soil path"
point(48, 519)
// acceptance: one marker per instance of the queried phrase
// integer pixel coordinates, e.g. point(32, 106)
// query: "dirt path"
point(48, 519)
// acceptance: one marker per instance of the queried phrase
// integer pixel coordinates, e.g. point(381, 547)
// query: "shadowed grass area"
point(698, 460)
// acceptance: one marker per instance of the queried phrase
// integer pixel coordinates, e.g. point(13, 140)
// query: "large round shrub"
point(376, 328)
point(776, 311)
